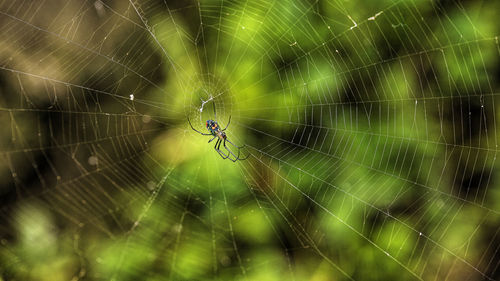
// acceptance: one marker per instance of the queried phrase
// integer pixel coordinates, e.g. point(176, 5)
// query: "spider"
point(220, 135)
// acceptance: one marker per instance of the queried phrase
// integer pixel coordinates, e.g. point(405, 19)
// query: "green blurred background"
point(370, 128)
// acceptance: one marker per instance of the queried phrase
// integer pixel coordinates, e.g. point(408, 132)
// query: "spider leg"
point(227, 123)
point(239, 148)
point(215, 116)
point(212, 139)
point(235, 157)
point(197, 130)
point(234, 160)
point(222, 154)
point(245, 157)
point(233, 145)
point(216, 143)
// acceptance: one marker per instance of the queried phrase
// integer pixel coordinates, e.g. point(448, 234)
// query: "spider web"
point(371, 130)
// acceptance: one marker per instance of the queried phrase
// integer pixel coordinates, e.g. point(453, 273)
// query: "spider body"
point(217, 133)
point(215, 130)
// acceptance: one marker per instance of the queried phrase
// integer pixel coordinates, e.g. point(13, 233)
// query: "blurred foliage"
point(371, 127)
